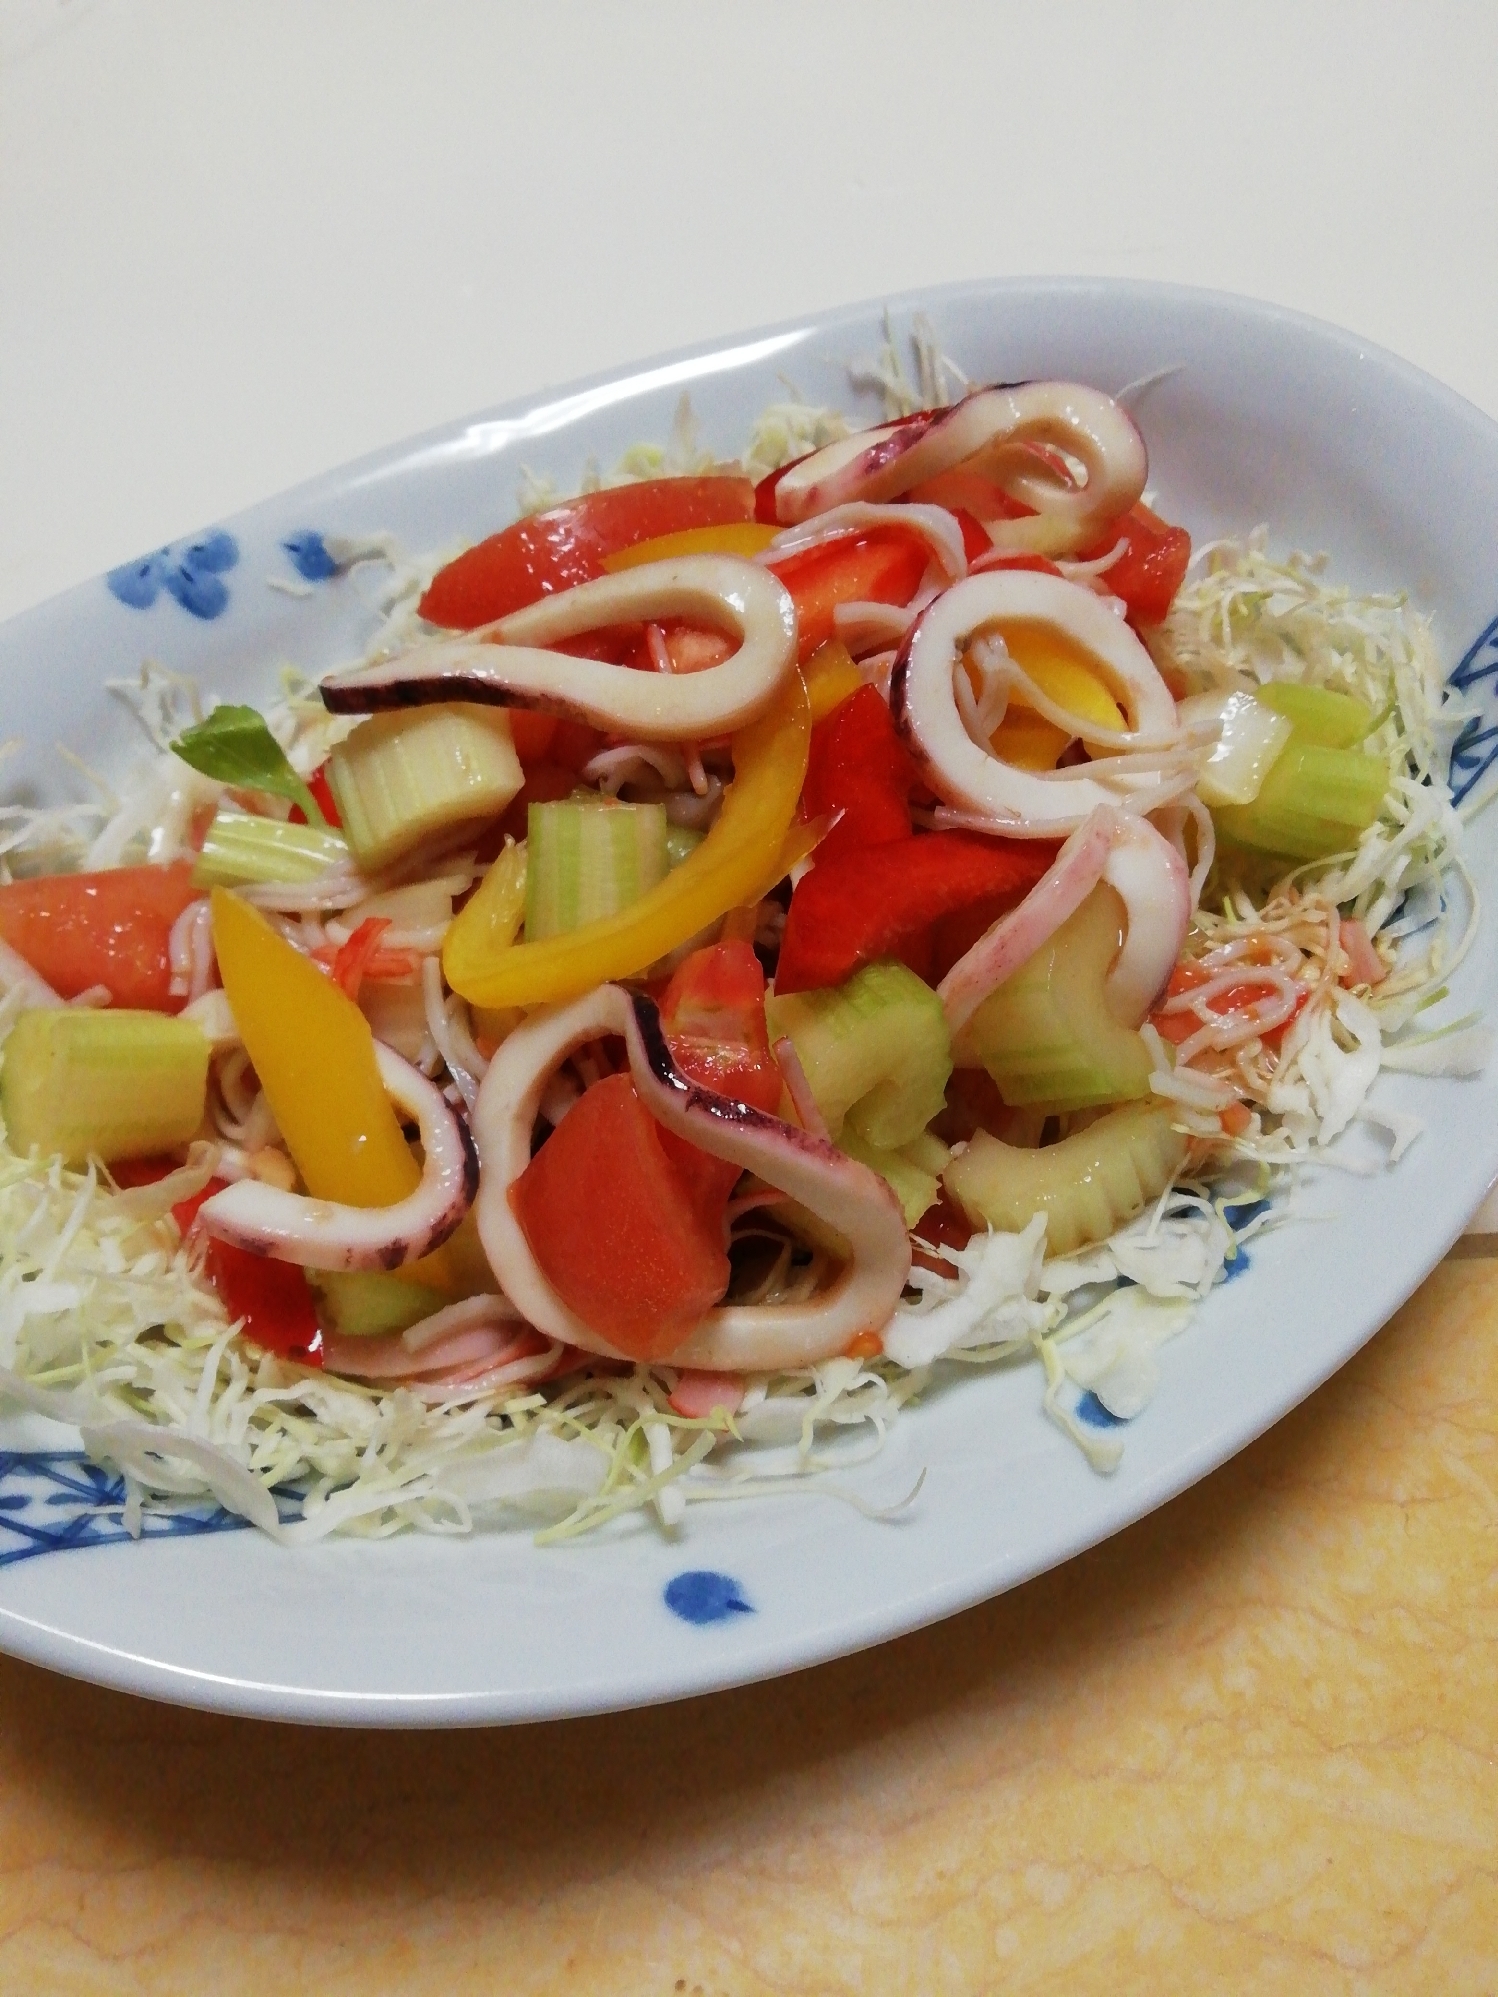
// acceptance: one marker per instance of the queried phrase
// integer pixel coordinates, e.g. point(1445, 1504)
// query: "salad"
point(746, 940)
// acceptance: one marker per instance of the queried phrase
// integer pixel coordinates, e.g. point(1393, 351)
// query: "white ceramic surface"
point(1266, 416)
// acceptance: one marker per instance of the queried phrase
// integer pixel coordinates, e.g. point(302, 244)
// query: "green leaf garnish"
point(234, 746)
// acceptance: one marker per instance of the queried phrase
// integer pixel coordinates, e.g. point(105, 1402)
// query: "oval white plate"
point(1264, 416)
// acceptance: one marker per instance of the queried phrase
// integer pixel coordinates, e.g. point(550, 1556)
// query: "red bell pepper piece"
point(272, 1298)
point(1151, 568)
point(111, 928)
point(565, 546)
point(884, 566)
point(858, 766)
point(876, 901)
point(322, 790)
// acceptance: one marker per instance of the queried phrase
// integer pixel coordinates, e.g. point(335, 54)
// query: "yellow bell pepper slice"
point(738, 861)
point(1064, 673)
point(314, 1054)
point(742, 537)
point(830, 677)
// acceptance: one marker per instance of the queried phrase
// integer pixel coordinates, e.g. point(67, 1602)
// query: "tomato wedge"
point(615, 1230)
point(713, 1017)
point(111, 928)
point(884, 566)
point(558, 549)
point(1152, 566)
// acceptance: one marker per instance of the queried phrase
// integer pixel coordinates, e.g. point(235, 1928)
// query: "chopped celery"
point(681, 843)
point(913, 1172)
point(1314, 802)
point(365, 1303)
point(77, 1083)
point(1087, 1185)
point(589, 860)
point(1046, 1035)
point(875, 1050)
point(1250, 736)
point(421, 777)
point(241, 849)
point(1317, 714)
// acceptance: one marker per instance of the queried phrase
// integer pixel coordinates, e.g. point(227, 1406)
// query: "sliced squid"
point(510, 663)
point(324, 1234)
point(1031, 803)
point(1151, 880)
point(733, 1338)
point(1088, 426)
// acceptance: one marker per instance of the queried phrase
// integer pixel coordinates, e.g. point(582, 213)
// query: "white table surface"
point(242, 243)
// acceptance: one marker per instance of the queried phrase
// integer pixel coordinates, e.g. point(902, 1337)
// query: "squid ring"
point(324, 1234)
point(733, 1337)
point(881, 464)
point(1023, 803)
point(510, 663)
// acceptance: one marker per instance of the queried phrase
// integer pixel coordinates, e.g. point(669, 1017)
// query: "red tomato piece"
point(858, 766)
point(614, 1229)
point(1151, 568)
point(877, 901)
point(1040, 564)
point(944, 1225)
point(970, 491)
point(884, 566)
point(713, 1017)
point(544, 783)
point(272, 1298)
point(531, 733)
point(110, 928)
point(563, 547)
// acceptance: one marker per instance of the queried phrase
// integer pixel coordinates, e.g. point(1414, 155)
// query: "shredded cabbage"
point(106, 1323)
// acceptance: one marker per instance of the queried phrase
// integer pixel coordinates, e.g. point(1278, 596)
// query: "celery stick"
point(1317, 714)
point(1086, 1186)
point(913, 1185)
point(422, 778)
point(681, 843)
point(589, 859)
point(1046, 1035)
point(1314, 802)
point(364, 1303)
point(875, 1049)
point(241, 849)
point(105, 1084)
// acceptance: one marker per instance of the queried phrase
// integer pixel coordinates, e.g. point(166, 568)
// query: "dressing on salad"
point(744, 938)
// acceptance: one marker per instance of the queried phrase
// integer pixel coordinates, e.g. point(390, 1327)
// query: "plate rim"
point(46, 1644)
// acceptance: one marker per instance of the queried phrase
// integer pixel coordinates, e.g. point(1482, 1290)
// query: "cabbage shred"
point(106, 1323)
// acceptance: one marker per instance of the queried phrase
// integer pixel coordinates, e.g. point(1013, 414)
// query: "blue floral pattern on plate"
point(55, 1499)
point(1476, 748)
point(192, 574)
point(702, 1596)
point(310, 556)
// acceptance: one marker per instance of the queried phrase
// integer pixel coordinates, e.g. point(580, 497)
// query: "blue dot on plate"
point(1091, 1410)
point(700, 1596)
point(309, 555)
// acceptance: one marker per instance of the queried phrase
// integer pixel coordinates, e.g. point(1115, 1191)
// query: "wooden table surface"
point(1248, 1744)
